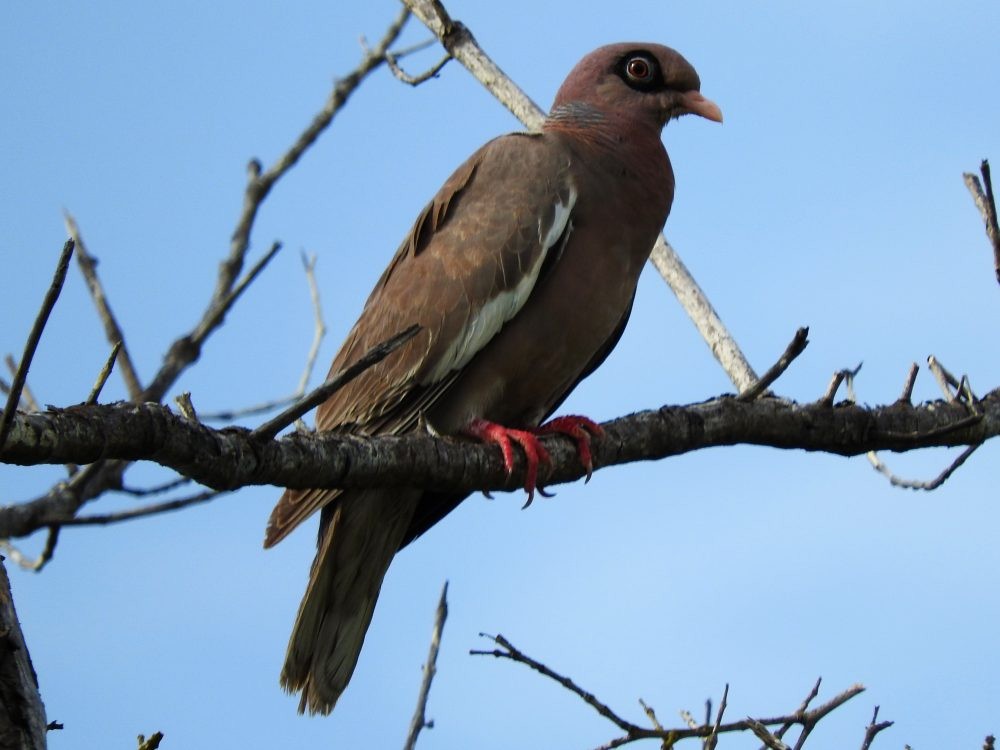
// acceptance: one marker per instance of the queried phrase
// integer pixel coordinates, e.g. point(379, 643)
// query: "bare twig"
point(835, 381)
point(920, 484)
point(105, 519)
point(507, 650)
point(460, 44)
point(906, 396)
point(803, 707)
point(261, 182)
point(152, 742)
point(650, 714)
point(186, 349)
point(986, 203)
point(874, 727)
point(797, 345)
point(419, 720)
point(806, 719)
point(334, 383)
point(113, 331)
point(712, 740)
point(946, 381)
point(432, 72)
point(27, 396)
point(104, 374)
point(34, 336)
point(765, 736)
point(44, 557)
point(156, 490)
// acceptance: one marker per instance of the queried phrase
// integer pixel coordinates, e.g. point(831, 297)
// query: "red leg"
point(580, 429)
point(534, 453)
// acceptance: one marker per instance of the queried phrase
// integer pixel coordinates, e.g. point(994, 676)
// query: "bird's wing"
point(467, 267)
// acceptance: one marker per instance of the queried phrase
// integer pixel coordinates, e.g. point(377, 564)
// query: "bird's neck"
point(601, 129)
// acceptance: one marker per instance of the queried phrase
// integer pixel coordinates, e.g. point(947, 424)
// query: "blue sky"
point(831, 197)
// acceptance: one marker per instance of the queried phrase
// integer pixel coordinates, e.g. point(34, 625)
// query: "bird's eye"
point(639, 69)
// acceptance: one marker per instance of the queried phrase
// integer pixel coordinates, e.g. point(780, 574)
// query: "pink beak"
point(692, 102)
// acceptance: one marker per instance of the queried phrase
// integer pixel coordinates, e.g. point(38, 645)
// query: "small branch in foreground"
point(34, 336)
point(334, 383)
point(419, 720)
point(797, 345)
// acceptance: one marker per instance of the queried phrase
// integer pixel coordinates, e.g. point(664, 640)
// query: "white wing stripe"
point(486, 322)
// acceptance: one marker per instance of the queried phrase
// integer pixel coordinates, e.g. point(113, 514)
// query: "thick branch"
point(22, 715)
point(231, 457)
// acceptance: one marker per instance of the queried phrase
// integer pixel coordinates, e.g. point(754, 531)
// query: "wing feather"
point(468, 265)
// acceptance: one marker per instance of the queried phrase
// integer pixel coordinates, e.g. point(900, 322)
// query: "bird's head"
point(648, 83)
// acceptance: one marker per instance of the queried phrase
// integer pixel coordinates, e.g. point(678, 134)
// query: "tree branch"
point(233, 457)
point(22, 714)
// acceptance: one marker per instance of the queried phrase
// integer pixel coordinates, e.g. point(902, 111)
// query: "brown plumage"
point(521, 272)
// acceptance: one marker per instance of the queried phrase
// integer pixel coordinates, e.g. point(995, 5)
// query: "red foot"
point(534, 453)
point(580, 429)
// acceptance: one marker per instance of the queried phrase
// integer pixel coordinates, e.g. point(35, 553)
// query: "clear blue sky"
point(832, 197)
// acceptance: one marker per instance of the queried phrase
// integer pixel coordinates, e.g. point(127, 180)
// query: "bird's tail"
point(359, 535)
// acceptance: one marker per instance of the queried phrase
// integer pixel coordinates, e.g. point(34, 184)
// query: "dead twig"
point(105, 519)
point(334, 383)
point(986, 203)
point(835, 381)
point(419, 720)
point(906, 396)
point(795, 347)
point(44, 557)
point(34, 336)
point(874, 727)
point(113, 331)
point(807, 719)
point(104, 374)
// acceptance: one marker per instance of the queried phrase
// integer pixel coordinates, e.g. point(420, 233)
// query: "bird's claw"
point(580, 430)
point(505, 437)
